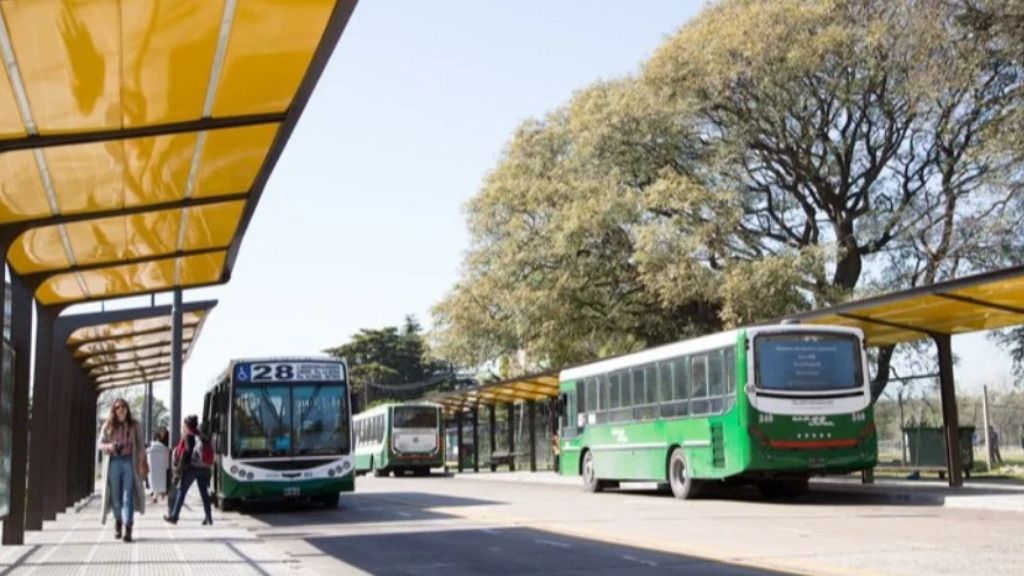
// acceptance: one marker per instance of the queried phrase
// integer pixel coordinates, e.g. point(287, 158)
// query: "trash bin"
point(927, 447)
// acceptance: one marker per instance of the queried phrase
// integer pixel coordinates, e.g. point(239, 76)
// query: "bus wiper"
point(312, 402)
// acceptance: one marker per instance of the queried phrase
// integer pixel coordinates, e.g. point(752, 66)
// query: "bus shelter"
point(136, 139)
point(528, 392)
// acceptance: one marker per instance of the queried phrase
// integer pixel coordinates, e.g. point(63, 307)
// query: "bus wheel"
point(683, 486)
point(590, 481)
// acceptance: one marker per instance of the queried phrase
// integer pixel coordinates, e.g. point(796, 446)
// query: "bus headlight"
point(346, 465)
point(249, 476)
point(234, 469)
point(331, 472)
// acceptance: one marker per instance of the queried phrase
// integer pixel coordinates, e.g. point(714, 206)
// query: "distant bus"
point(399, 438)
point(281, 428)
point(770, 406)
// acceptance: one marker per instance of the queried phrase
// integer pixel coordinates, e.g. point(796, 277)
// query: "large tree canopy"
point(770, 157)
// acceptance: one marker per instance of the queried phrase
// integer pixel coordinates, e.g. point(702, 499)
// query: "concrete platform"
point(77, 544)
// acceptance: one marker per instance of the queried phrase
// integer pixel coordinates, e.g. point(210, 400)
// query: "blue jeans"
point(201, 476)
point(121, 486)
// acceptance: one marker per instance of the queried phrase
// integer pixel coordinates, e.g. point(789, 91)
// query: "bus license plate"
point(816, 462)
point(291, 491)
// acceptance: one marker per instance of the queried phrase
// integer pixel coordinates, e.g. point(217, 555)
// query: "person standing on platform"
point(191, 462)
point(159, 464)
point(123, 487)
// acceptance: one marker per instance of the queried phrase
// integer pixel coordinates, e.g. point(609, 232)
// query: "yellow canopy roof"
point(136, 136)
point(133, 351)
point(540, 386)
point(982, 302)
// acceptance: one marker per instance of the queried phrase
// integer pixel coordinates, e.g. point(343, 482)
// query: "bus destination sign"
point(288, 372)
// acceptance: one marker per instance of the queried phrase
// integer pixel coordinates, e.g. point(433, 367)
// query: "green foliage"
point(767, 157)
point(388, 358)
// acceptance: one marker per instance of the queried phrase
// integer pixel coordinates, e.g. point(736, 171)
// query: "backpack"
point(202, 453)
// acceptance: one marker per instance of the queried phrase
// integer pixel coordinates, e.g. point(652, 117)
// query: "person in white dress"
point(159, 461)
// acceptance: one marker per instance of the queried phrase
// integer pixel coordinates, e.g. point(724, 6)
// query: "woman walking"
point(123, 445)
point(188, 469)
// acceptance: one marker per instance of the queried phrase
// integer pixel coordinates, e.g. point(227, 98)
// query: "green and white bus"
point(399, 438)
point(281, 428)
point(768, 405)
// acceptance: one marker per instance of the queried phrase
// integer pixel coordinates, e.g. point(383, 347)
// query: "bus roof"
point(694, 345)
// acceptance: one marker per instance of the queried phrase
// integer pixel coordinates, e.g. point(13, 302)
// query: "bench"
point(499, 458)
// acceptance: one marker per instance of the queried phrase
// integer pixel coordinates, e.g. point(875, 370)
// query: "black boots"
point(127, 533)
point(208, 522)
point(117, 529)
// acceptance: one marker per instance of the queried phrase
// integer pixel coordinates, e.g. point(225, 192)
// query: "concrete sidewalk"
point(975, 494)
point(76, 543)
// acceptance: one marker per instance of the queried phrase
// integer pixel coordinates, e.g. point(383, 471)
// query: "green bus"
point(399, 438)
point(281, 429)
point(770, 406)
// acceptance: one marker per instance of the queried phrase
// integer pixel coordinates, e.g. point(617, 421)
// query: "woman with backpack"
point(191, 463)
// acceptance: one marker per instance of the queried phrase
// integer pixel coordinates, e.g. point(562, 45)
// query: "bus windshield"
point(807, 362)
point(415, 417)
point(310, 419)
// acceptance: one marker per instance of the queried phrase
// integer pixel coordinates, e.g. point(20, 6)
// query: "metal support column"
point(476, 438)
point(21, 340)
point(490, 432)
point(950, 418)
point(531, 412)
point(41, 431)
point(511, 408)
point(458, 441)
point(149, 411)
point(62, 451)
point(176, 332)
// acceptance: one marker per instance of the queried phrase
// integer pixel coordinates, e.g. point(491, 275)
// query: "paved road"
point(440, 525)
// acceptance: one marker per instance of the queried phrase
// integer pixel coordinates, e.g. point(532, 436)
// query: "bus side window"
point(716, 381)
point(681, 376)
point(604, 394)
point(730, 379)
point(665, 390)
point(699, 381)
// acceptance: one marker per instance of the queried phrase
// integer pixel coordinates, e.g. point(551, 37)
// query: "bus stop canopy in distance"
point(982, 302)
point(136, 351)
point(136, 137)
point(540, 386)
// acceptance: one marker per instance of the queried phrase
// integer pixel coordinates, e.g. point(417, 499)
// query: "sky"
point(361, 222)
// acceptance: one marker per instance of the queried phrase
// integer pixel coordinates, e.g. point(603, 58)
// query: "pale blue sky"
point(361, 222)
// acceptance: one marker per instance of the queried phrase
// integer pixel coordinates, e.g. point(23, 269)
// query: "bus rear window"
point(415, 417)
point(807, 362)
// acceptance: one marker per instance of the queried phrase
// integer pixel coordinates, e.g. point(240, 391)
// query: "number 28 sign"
point(259, 372)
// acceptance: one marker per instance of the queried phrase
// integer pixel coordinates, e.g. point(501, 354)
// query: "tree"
point(771, 157)
point(391, 361)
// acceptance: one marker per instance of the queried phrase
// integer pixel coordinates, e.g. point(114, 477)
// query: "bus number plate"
point(816, 462)
point(291, 491)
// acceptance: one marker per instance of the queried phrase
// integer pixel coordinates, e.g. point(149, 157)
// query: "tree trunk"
point(881, 379)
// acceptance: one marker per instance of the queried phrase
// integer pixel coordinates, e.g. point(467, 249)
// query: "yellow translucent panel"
point(120, 329)
point(231, 159)
point(1002, 292)
point(169, 49)
point(38, 249)
point(126, 356)
point(59, 288)
point(156, 169)
point(97, 241)
point(126, 344)
point(152, 233)
point(150, 276)
point(21, 190)
point(10, 116)
point(212, 226)
point(131, 365)
point(87, 177)
point(69, 55)
point(272, 43)
point(202, 269)
point(126, 380)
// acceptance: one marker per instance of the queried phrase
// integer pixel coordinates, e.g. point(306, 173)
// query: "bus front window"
point(262, 422)
point(795, 363)
point(321, 426)
point(415, 417)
